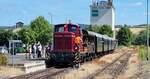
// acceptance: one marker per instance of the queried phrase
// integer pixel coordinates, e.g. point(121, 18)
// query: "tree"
point(1, 30)
point(124, 36)
point(42, 30)
point(141, 39)
point(5, 36)
point(89, 28)
point(27, 36)
point(94, 28)
point(106, 30)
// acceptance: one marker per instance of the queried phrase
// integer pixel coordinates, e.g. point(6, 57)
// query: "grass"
point(142, 52)
point(3, 59)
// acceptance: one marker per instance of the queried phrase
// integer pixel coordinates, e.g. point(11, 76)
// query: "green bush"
point(142, 52)
point(124, 36)
point(3, 59)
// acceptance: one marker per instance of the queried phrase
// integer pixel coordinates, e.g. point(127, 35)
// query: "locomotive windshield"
point(59, 28)
point(72, 28)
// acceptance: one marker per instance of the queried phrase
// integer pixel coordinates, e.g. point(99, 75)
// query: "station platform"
point(25, 64)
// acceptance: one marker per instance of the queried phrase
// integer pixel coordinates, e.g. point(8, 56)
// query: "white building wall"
point(106, 15)
point(113, 19)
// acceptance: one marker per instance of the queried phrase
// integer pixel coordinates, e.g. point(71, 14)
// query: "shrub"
point(124, 36)
point(3, 59)
point(142, 52)
point(141, 38)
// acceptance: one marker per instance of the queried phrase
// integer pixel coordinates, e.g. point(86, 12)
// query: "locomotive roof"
point(59, 24)
point(63, 24)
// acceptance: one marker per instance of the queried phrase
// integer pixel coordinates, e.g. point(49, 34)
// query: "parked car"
point(3, 50)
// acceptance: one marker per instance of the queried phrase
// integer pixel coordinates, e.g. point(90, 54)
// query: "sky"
point(131, 12)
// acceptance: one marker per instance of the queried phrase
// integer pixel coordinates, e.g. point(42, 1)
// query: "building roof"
point(19, 22)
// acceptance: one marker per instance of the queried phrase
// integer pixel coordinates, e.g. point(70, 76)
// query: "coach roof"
point(93, 33)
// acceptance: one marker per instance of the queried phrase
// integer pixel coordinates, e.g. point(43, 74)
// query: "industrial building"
point(102, 13)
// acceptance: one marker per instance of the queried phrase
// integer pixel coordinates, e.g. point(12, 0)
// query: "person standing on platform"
point(35, 50)
point(49, 47)
point(32, 51)
point(39, 49)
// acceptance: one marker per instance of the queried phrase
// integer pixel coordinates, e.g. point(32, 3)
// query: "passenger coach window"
point(72, 28)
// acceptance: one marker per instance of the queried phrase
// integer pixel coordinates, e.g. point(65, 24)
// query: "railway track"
point(112, 69)
point(44, 74)
point(143, 71)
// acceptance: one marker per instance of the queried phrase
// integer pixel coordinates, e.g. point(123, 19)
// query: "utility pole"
point(147, 33)
point(51, 17)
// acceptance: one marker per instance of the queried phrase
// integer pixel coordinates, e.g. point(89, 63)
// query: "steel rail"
point(99, 71)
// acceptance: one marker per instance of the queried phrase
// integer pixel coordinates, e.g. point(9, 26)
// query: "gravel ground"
point(143, 71)
point(133, 65)
point(136, 69)
point(7, 71)
point(90, 67)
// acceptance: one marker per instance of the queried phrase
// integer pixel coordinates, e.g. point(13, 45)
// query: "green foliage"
point(42, 30)
point(104, 29)
point(5, 36)
point(134, 36)
point(95, 28)
point(23, 36)
point(124, 36)
point(27, 36)
point(141, 38)
point(21, 50)
point(1, 30)
point(39, 31)
point(142, 52)
point(3, 59)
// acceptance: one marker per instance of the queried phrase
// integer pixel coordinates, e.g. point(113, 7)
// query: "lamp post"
point(147, 32)
point(51, 17)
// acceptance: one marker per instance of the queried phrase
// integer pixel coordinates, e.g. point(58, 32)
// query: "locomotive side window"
point(72, 28)
point(59, 28)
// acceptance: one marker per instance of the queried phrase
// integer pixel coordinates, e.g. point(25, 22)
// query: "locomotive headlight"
point(76, 48)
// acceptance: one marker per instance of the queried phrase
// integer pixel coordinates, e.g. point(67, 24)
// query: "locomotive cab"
point(64, 41)
point(64, 37)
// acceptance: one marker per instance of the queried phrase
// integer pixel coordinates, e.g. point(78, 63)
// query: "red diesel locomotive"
point(93, 45)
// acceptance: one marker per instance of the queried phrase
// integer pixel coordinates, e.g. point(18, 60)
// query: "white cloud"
point(137, 4)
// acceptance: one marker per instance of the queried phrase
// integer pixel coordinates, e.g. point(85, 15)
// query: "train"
point(93, 44)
